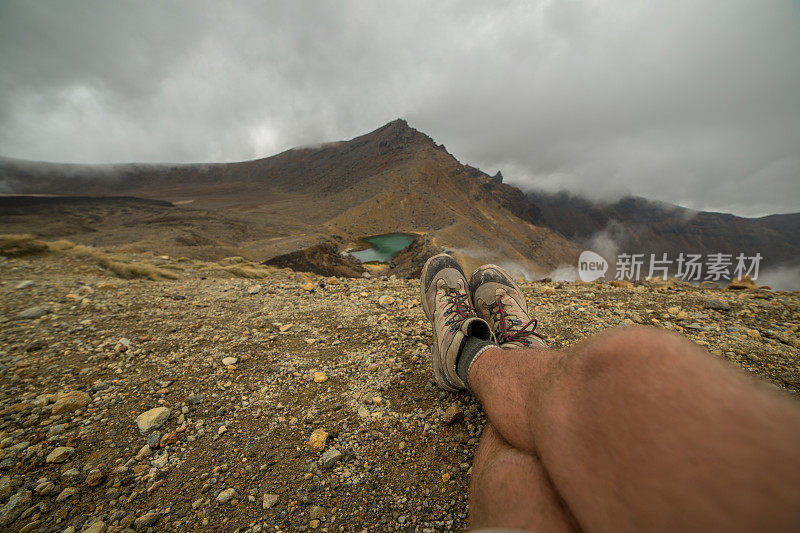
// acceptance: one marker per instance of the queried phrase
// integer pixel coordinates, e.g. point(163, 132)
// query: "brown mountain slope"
point(394, 179)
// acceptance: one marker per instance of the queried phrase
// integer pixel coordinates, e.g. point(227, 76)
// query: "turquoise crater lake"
point(384, 247)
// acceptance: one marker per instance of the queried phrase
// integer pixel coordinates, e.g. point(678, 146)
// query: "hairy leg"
point(640, 429)
point(510, 489)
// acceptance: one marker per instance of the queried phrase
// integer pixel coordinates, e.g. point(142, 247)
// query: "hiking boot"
point(446, 302)
point(500, 302)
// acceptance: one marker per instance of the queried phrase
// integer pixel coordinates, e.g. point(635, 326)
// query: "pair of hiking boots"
point(489, 307)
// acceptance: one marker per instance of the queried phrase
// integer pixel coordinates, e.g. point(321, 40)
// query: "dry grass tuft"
point(19, 245)
point(241, 268)
point(237, 260)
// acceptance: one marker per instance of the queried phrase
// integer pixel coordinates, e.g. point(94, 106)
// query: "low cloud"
point(690, 103)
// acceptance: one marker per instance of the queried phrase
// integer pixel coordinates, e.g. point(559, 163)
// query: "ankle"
point(473, 350)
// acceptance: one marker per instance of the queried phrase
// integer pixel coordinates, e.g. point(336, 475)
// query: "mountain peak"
point(397, 128)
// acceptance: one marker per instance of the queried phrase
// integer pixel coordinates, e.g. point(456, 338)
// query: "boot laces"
point(457, 307)
point(510, 328)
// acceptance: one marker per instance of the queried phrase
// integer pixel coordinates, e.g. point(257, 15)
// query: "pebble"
point(228, 361)
point(716, 304)
point(96, 527)
point(196, 399)
point(320, 377)
point(386, 300)
point(33, 313)
point(226, 495)
point(144, 452)
point(269, 501)
point(331, 457)
point(95, 477)
point(453, 414)
point(66, 493)
point(24, 284)
point(71, 402)
point(318, 439)
point(15, 506)
point(60, 454)
point(153, 419)
point(146, 520)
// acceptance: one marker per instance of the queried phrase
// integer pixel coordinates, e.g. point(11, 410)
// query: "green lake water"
point(384, 247)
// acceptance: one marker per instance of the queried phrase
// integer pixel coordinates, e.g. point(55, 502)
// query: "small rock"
point(309, 287)
point(318, 439)
point(123, 345)
point(66, 494)
point(16, 504)
point(320, 377)
point(386, 300)
point(169, 439)
point(254, 289)
point(753, 333)
point(24, 284)
point(285, 327)
point(145, 451)
point(742, 283)
point(269, 501)
point(316, 512)
point(452, 414)
point(196, 399)
point(35, 346)
point(70, 402)
point(331, 457)
point(60, 454)
point(96, 527)
point(716, 304)
point(154, 439)
point(146, 520)
point(226, 495)
point(95, 477)
point(33, 312)
point(228, 361)
point(152, 419)
point(45, 488)
point(161, 461)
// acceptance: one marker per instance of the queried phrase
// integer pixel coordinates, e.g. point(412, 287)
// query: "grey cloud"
point(697, 104)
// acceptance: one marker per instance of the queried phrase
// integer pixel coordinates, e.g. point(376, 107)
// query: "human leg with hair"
point(629, 430)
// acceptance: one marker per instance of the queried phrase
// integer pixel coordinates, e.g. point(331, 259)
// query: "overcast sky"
point(696, 103)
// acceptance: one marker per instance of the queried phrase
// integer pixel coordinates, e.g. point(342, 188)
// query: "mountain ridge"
point(398, 179)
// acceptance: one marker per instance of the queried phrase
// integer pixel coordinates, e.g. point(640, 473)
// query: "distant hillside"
point(394, 179)
point(644, 226)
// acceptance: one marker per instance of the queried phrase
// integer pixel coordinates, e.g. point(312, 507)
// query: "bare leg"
point(510, 489)
point(641, 430)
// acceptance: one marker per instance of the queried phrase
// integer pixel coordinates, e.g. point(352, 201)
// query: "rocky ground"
point(287, 403)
